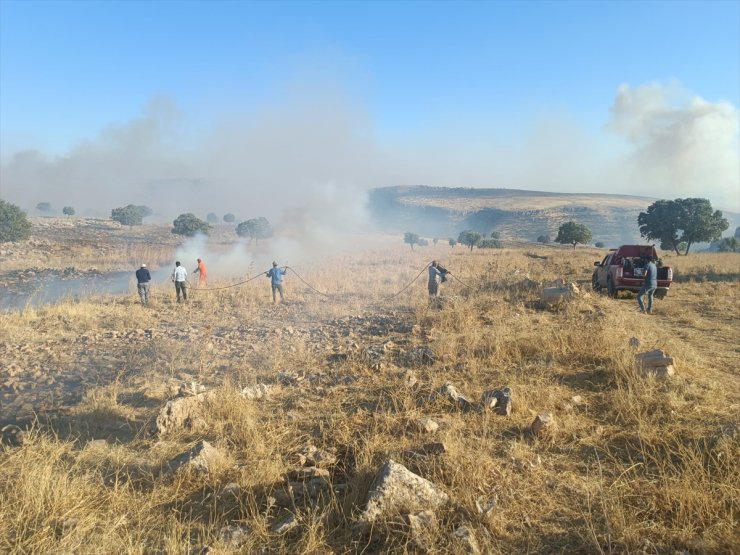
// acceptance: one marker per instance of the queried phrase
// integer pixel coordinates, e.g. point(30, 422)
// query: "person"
point(649, 285)
point(202, 273)
point(277, 280)
point(437, 274)
point(143, 277)
point(179, 276)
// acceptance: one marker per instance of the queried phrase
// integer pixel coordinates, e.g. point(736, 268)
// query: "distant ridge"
point(514, 213)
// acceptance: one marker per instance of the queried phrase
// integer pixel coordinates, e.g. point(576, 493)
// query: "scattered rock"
point(12, 436)
point(634, 342)
point(396, 490)
point(421, 356)
point(577, 400)
point(313, 456)
point(451, 393)
point(233, 536)
point(309, 472)
point(285, 525)
point(427, 425)
point(422, 527)
point(200, 458)
point(553, 296)
point(466, 539)
point(256, 391)
point(183, 414)
point(544, 425)
point(409, 378)
point(498, 400)
point(656, 363)
point(188, 389)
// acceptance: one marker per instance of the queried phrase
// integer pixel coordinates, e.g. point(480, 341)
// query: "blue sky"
point(415, 77)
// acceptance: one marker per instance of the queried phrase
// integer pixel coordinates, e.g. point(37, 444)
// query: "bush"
point(452, 242)
point(543, 239)
point(130, 214)
point(14, 225)
point(228, 218)
point(189, 225)
point(599, 245)
point(255, 229)
point(43, 207)
point(211, 218)
point(68, 211)
point(490, 244)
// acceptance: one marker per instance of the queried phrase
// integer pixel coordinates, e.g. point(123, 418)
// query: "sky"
point(287, 108)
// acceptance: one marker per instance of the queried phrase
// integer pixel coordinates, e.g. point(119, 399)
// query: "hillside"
point(516, 214)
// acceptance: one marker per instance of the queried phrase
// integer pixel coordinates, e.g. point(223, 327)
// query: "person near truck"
point(276, 275)
point(179, 277)
point(202, 273)
point(143, 277)
point(649, 285)
point(437, 274)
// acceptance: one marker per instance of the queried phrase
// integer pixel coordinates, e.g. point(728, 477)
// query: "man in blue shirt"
point(143, 277)
point(648, 286)
point(437, 274)
point(277, 280)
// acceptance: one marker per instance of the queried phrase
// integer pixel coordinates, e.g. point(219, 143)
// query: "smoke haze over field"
point(306, 161)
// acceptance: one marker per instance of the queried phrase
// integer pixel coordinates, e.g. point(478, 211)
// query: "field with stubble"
point(303, 402)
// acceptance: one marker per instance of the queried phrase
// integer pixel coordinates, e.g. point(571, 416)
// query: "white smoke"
point(681, 145)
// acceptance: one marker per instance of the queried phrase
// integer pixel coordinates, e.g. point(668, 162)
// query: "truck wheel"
point(595, 282)
point(611, 289)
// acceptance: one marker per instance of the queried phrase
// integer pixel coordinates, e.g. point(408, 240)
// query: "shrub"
point(68, 211)
point(189, 225)
point(43, 207)
point(599, 245)
point(130, 214)
point(255, 229)
point(14, 225)
point(490, 244)
point(211, 218)
point(543, 239)
point(228, 218)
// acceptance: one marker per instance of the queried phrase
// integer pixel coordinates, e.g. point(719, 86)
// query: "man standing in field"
point(143, 277)
point(179, 276)
point(648, 286)
point(202, 273)
point(277, 280)
point(437, 274)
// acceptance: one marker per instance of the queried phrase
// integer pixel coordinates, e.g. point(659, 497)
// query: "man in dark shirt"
point(143, 277)
point(648, 286)
point(276, 275)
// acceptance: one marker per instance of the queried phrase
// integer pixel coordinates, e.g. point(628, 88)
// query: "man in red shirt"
point(202, 273)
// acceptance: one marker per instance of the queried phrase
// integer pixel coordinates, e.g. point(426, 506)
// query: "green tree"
point(68, 211)
point(211, 218)
point(543, 239)
point(14, 225)
point(228, 218)
point(490, 244)
point(690, 220)
point(495, 235)
point(255, 229)
point(572, 233)
point(189, 225)
point(43, 207)
point(411, 239)
point(599, 245)
point(469, 238)
point(145, 211)
point(129, 215)
point(729, 244)
point(452, 242)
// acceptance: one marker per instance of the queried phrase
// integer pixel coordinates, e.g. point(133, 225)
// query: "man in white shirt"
point(179, 276)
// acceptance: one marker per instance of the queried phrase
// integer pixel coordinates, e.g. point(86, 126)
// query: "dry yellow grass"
point(637, 466)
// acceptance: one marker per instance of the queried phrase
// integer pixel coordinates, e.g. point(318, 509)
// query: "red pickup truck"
point(623, 269)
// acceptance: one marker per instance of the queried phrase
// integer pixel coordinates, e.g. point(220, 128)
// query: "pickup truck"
point(623, 269)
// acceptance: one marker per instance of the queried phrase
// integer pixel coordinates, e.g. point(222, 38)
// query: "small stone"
point(422, 527)
point(183, 414)
point(309, 472)
point(200, 458)
point(466, 539)
point(634, 342)
point(427, 425)
point(452, 394)
point(577, 400)
point(233, 536)
point(396, 490)
point(498, 400)
point(409, 378)
point(258, 391)
point(12, 436)
point(285, 525)
point(543, 425)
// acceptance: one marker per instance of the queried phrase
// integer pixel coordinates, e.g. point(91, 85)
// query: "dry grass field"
point(636, 465)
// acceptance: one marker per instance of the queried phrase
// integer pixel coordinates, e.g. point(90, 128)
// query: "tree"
point(14, 225)
point(211, 218)
point(228, 218)
point(411, 239)
point(469, 238)
point(129, 215)
point(68, 211)
point(452, 242)
point(490, 244)
point(572, 233)
point(689, 221)
point(255, 229)
point(189, 225)
point(423, 242)
point(495, 235)
point(43, 207)
point(599, 245)
point(729, 244)
point(144, 210)
point(543, 239)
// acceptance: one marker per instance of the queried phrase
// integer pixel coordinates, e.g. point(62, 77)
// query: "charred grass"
point(638, 465)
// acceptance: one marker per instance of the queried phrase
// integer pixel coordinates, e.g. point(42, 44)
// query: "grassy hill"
point(516, 214)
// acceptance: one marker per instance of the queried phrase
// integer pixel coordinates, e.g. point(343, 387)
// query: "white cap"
point(143, 265)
